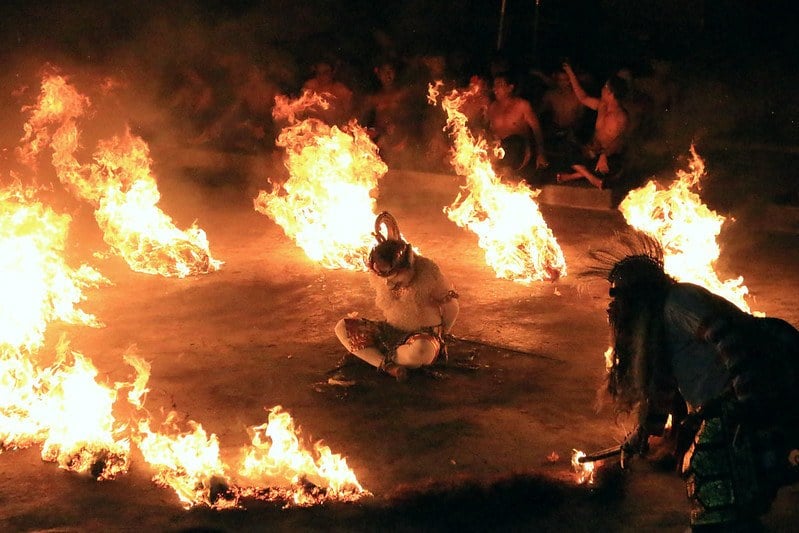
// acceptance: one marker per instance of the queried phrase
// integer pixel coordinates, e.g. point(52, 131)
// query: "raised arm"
point(579, 92)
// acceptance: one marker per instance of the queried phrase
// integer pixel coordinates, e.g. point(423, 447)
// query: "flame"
point(64, 409)
point(583, 471)
point(275, 466)
point(326, 205)
point(38, 286)
point(510, 228)
point(119, 183)
point(188, 462)
point(686, 227)
point(276, 454)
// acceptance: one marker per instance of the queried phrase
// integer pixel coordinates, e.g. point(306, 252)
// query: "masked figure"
point(730, 380)
point(418, 303)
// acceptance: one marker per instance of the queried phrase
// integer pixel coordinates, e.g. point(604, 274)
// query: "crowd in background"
point(226, 104)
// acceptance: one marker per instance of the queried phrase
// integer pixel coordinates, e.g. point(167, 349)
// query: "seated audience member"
point(513, 123)
point(604, 153)
point(336, 93)
point(387, 114)
point(561, 114)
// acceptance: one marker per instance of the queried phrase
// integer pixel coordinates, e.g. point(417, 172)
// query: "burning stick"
point(585, 465)
point(599, 455)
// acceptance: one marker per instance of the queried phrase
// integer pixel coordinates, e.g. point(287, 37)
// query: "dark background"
point(728, 33)
point(733, 61)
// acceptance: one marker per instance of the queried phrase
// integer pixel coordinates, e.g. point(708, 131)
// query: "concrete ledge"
point(576, 196)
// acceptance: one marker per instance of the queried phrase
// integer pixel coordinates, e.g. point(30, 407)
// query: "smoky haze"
point(202, 76)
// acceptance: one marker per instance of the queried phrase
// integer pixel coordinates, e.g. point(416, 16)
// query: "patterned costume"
point(731, 379)
point(419, 305)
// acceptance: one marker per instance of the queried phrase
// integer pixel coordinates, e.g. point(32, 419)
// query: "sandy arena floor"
point(467, 448)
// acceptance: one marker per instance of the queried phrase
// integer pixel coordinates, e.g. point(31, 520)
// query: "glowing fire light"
point(38, 286)
point(187, 462)
point(686, 227)
point(583, 471)
point(64, 409)
point(276, 455)
point(119, 183)
point(326, 205)
point(276, 466)
point(510, 228)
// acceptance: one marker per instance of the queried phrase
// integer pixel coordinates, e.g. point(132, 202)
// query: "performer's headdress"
point(631, 259)
point(633, 264)
point(391, 253)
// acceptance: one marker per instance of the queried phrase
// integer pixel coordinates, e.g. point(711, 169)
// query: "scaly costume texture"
point(730, 379)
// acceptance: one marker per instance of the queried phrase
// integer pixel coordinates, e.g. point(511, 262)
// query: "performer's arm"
point(449, 313)
point(579, 92)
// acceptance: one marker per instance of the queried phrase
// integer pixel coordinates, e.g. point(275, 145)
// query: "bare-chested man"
point(562, 106)
point(610, 132)
point(512, 121)
point(418, 302)
point(338, 95)
point(386, 113)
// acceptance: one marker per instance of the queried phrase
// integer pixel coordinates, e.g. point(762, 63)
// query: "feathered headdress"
point(631, 258)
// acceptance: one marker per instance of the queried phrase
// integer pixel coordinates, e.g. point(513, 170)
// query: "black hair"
point(618, 86)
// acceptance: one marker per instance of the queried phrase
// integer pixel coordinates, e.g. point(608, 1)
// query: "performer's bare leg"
point(420, 350)
point(563, 177)
point(583, 171)
point(370, 354)
point(580, 171)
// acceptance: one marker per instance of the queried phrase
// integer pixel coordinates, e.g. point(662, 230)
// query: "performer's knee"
point(341, 332)
point(419, 350)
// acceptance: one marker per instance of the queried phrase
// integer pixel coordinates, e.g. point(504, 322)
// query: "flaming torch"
point(510, 228)
point(326, 204)
point(119, 183)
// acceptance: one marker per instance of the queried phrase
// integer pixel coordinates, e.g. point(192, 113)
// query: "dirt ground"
point(466, 448)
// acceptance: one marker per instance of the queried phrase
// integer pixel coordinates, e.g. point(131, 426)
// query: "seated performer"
point(730, 379)
point(605, 152)
point(419, 304)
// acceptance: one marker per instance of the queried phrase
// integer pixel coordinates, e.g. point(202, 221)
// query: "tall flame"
point(510, 228)
point(326, 205)
point(38, 286)
point(119, 183)
point(686, 227)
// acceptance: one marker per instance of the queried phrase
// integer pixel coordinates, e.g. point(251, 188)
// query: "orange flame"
point(583, 471)
point(119, 183)
point(510, 228)
point(187, 462)
point(65, 409)
point(326, 205)
point(686, 227)
point(38, 286)
point(276, 454)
